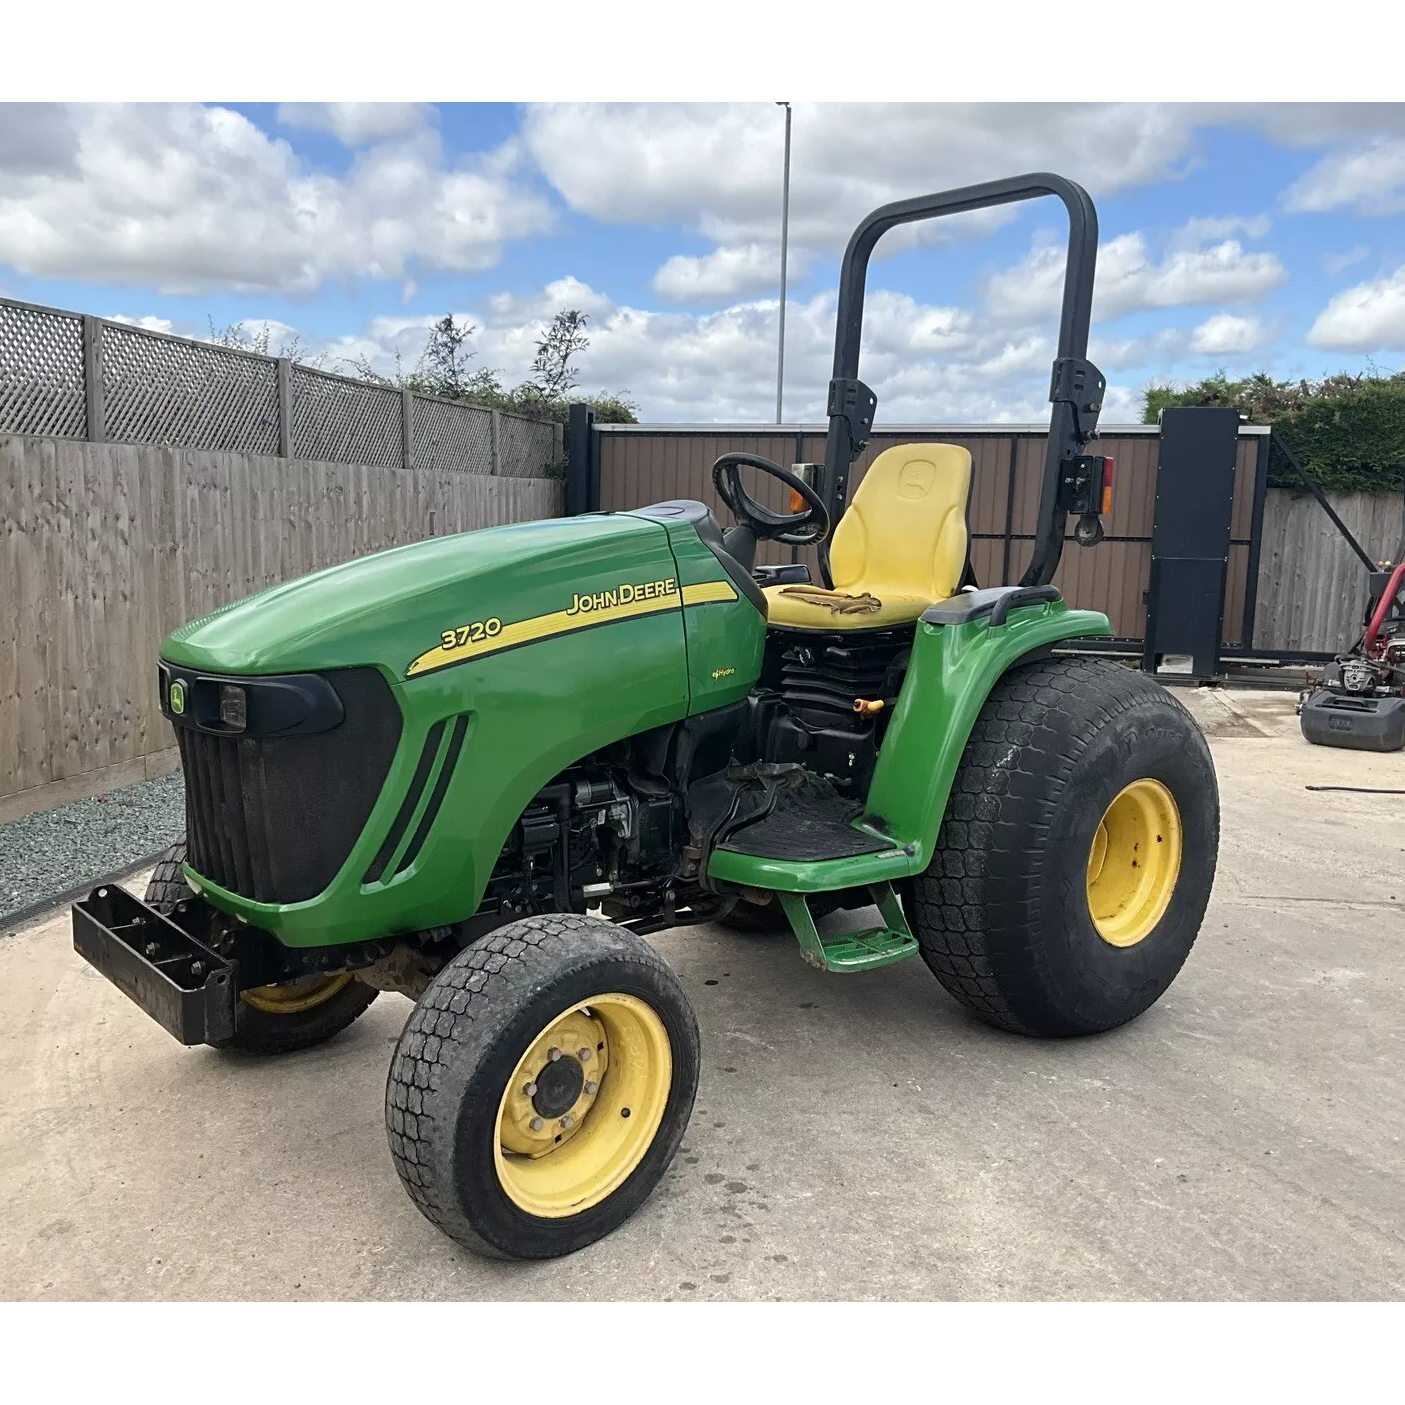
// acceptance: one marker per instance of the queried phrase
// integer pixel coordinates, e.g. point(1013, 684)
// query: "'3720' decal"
point(622, 602)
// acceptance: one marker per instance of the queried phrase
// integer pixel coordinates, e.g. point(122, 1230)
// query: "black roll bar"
point(1076, 388)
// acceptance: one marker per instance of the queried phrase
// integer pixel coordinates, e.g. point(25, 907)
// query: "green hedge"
point(1348, 432)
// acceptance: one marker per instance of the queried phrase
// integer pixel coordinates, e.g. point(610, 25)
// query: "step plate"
point(861, 951)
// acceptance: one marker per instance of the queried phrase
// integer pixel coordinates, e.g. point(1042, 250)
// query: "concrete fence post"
point(285, 407)
point(407, 427)
point(496, 442)
point(92, 379)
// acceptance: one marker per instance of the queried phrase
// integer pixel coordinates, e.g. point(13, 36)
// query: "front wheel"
point(541, 1086)
point(1077, 853)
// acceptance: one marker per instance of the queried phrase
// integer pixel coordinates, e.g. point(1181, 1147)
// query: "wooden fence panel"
point(105, 548)
point(1312, 586)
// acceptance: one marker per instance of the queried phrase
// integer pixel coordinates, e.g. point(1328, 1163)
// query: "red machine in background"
point(1360, 701)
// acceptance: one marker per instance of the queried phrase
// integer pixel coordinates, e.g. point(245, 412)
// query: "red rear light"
point(1107, 486)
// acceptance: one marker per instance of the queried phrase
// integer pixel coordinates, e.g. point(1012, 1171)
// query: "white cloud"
point(1367, 317)
point(717, 168)
point(36, 137)
point(1333, 264)
point(1369, 177)
point(1130, 279)
point(187, 198)
point(1312, 123)
point(725, 272)
point(147, 323)
point(1125, 353)
point(925, 362)
point(357, 123)
point(1225, 334)
point(544, 305)
point(1201, 229)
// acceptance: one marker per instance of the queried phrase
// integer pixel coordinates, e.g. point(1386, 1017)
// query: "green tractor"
point(426, 770)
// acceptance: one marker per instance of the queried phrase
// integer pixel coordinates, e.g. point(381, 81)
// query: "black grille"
point(274, 818)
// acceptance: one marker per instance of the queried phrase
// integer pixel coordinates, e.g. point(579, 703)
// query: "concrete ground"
point(854, 1137)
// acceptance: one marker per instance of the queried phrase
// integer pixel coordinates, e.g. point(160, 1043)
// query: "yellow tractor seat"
point(899, 548)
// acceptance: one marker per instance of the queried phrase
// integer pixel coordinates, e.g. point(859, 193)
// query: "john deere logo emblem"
point(178, 697)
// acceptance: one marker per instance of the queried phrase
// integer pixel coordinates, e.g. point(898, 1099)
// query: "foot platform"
point(852, 951)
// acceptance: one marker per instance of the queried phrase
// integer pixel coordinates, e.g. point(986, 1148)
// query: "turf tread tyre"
point(1000, 914)
point(461, 1044)
point(167, 886)
point(259, 1031)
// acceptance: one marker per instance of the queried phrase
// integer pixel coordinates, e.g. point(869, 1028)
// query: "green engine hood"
point(388, 608)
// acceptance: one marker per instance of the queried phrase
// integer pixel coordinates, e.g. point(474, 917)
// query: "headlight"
point(234, 709)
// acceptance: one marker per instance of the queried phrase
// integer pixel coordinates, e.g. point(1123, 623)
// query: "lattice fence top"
point(525, 447)
point(345, 421)
point(454, 437)
point(149, 388)
point(41, 372)
point(160, 391)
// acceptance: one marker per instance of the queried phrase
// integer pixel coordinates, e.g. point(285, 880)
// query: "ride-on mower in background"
point(422, 770)
point(1360, 700)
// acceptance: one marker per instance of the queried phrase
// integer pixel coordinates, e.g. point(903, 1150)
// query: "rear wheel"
point(271, 1019)
point(541, 1086)
point(1077, 853)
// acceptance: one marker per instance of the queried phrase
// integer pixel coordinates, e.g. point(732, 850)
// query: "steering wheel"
point(792, 528)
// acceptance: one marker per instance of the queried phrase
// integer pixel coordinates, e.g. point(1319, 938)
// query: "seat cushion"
point(899, 548)
point(809, 607)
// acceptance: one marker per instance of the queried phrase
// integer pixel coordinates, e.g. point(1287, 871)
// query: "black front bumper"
point(185, 987)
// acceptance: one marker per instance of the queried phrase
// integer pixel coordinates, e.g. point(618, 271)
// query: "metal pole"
point(785, 239)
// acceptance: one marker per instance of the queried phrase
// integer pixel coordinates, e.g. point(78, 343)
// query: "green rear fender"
point(950, 676)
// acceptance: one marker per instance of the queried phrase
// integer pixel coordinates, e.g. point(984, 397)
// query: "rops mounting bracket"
point(856, 404)
point(1078, 383)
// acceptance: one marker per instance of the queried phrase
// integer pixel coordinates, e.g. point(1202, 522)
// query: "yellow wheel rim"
point(293, 997)
point(583, 1106)
point(1134, 862)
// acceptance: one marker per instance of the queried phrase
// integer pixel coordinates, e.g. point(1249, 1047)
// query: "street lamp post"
point(785, 238)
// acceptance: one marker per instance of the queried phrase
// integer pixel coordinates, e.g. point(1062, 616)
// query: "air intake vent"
point(426, 767)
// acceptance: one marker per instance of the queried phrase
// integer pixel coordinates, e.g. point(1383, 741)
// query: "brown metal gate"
point(639, 464)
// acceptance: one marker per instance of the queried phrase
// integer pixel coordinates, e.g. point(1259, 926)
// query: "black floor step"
point(809, 823)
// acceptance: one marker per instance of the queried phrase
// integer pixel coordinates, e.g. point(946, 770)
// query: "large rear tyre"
point(272, 1019)
point(1077, 853)
point(541, 1086)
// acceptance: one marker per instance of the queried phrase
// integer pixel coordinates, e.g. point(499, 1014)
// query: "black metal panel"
point(274, 818)
point(1190, 539)
point(187, 988)
point(579, 444)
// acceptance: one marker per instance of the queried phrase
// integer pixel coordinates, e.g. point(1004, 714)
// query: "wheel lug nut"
point(536, 1124)
point(553, 1053)
point(583, 1055)
point(530, 1090)
point(591, 1087)
point(567, 1122)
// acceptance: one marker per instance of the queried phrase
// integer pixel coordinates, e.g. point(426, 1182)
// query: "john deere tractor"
point(428, 770)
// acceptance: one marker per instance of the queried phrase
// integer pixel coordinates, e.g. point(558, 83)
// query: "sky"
point(1234, 236)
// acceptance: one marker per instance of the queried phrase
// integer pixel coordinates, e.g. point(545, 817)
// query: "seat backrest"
point(906, 526)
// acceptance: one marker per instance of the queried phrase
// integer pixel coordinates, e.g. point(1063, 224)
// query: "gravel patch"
point(48, 853)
